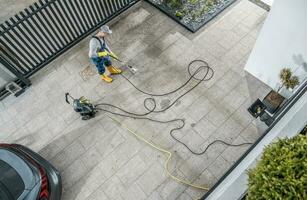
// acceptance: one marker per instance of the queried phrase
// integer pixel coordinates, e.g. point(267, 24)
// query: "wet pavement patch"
point(178, 103)
point(164, 103)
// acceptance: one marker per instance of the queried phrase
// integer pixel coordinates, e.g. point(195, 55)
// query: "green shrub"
point(196, 14)
point(174, 3)
point(179, 14)
point(282, 171)
point(288, 79)
point(205, 9)
point(193, 1)
point(210, 3)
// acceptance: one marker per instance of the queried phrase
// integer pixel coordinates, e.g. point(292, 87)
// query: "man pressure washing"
point(100, 54)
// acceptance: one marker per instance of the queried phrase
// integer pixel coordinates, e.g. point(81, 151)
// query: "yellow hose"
point(167, 153)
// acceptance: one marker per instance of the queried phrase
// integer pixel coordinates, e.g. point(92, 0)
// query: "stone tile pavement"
point(11, 7)
point(98, 159)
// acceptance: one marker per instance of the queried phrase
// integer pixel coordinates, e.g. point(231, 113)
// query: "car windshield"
point(11, 184)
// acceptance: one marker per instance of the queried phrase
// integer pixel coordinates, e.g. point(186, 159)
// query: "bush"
point(194, 1)
point(174, 3)
point(287, 79)
point(282, 171)
point(179, 14)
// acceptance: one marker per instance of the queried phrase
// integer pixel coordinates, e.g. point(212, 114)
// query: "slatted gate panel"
point(38, 34)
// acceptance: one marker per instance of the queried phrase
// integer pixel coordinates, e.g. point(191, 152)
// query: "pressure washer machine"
point(83, 106)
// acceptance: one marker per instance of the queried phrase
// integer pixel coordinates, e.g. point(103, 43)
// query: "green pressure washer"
point(83, 106)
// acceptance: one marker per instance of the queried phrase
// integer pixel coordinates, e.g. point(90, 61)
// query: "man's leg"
point(110, 67)
point(101, 69)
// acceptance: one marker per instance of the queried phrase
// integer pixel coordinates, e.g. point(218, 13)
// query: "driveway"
point(100, 159)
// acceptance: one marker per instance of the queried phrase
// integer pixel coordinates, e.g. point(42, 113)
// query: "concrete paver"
point(99, 159)
point(12, 7)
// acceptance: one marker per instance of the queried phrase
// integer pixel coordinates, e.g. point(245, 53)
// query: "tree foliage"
point(287, 79)
point(282, 171)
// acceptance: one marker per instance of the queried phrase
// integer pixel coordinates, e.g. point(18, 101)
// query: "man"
point(100, 54)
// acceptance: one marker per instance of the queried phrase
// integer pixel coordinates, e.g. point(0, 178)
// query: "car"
point(26, 175)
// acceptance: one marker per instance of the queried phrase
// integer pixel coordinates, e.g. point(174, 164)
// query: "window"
point(11, 184)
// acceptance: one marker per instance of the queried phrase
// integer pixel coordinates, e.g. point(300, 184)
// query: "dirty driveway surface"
point(99, 159)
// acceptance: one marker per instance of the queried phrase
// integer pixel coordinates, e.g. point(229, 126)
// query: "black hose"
point(124, 113)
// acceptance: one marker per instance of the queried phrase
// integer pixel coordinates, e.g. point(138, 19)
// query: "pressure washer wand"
point(131, 68)
point(66, 97)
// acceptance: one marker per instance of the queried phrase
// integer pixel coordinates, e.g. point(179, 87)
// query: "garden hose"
point(124, 113)
point(167, 154)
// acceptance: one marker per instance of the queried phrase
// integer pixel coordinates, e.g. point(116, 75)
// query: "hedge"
point(281, 173)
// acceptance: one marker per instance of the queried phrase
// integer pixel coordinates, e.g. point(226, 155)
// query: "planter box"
point(191, 15)
point(257, 108)
point(272, 101)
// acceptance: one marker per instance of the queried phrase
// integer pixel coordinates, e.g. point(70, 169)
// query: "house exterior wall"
point(281, 43)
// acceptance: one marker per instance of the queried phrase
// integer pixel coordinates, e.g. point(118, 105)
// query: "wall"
point(281, 43)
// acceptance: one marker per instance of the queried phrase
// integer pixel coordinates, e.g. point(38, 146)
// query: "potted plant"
point(281, 173)
point(257, 108)
point(273, 100)
point(288, 80)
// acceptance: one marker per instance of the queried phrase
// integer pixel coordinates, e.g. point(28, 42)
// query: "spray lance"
point(131, 68)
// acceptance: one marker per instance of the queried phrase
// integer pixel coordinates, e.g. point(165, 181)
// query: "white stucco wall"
point(281, 43)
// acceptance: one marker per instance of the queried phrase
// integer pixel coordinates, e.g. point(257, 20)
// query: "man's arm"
point(112, 54)
point(93, 49)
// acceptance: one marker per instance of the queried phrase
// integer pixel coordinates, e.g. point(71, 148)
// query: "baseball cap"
point(105, 29)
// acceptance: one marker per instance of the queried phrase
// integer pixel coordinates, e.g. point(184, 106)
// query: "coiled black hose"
point(209, 73)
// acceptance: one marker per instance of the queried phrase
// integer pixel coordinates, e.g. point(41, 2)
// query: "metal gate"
point(43, 31)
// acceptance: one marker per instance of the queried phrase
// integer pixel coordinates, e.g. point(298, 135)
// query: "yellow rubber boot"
point(114, 70)
point(106, 78)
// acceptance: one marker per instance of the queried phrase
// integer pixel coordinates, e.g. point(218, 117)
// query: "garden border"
point(185, 25)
